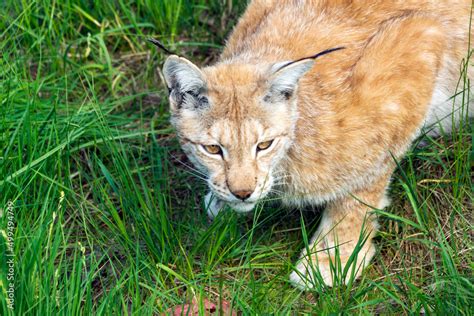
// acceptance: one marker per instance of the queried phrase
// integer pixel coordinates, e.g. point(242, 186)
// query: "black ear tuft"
point(158, 44)
point(314, 57)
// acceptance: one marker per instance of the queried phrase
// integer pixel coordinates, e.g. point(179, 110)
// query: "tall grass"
point(108, 217)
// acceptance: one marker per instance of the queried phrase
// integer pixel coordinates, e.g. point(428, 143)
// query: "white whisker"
point(195, 172)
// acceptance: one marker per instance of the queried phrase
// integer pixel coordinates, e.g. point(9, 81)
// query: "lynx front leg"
point(213, 205)
point(342, 245)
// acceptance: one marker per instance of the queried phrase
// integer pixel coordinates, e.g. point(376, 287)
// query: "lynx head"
point(235, 122)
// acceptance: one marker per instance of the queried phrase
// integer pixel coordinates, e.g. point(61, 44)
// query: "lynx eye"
point(213, 149)
point(264, 145)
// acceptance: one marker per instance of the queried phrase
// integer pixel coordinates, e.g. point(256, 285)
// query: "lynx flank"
point(265, 120)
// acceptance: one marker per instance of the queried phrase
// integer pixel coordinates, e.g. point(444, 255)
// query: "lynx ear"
point(185, 82)
point(285, 76)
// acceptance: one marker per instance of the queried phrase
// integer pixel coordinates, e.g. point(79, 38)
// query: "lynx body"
point(265, 120)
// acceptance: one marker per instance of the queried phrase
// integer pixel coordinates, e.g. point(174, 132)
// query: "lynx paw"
point(323, 269)
point(306, 276)
point(213, 205)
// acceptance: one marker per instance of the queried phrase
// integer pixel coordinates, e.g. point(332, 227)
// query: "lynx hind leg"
point(342, 246)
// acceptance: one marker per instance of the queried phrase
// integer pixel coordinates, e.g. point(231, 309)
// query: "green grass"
point(109, 220)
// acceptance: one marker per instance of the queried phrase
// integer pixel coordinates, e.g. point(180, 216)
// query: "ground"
point(106, 215)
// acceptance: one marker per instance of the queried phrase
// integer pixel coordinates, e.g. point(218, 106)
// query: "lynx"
point(269, 118)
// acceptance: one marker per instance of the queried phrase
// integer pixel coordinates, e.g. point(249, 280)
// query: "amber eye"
point(213, 149)
point(264, 145)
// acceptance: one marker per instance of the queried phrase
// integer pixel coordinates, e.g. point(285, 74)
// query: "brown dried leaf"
point(192, 308)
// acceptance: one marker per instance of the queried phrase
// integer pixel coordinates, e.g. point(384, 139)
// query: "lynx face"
point(235, 123)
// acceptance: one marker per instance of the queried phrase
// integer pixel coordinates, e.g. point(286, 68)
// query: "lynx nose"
point(242, 194)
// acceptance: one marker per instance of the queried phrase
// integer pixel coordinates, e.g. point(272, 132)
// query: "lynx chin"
point(271, 119)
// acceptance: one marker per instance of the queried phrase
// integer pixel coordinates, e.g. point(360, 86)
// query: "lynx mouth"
point(242, 207)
